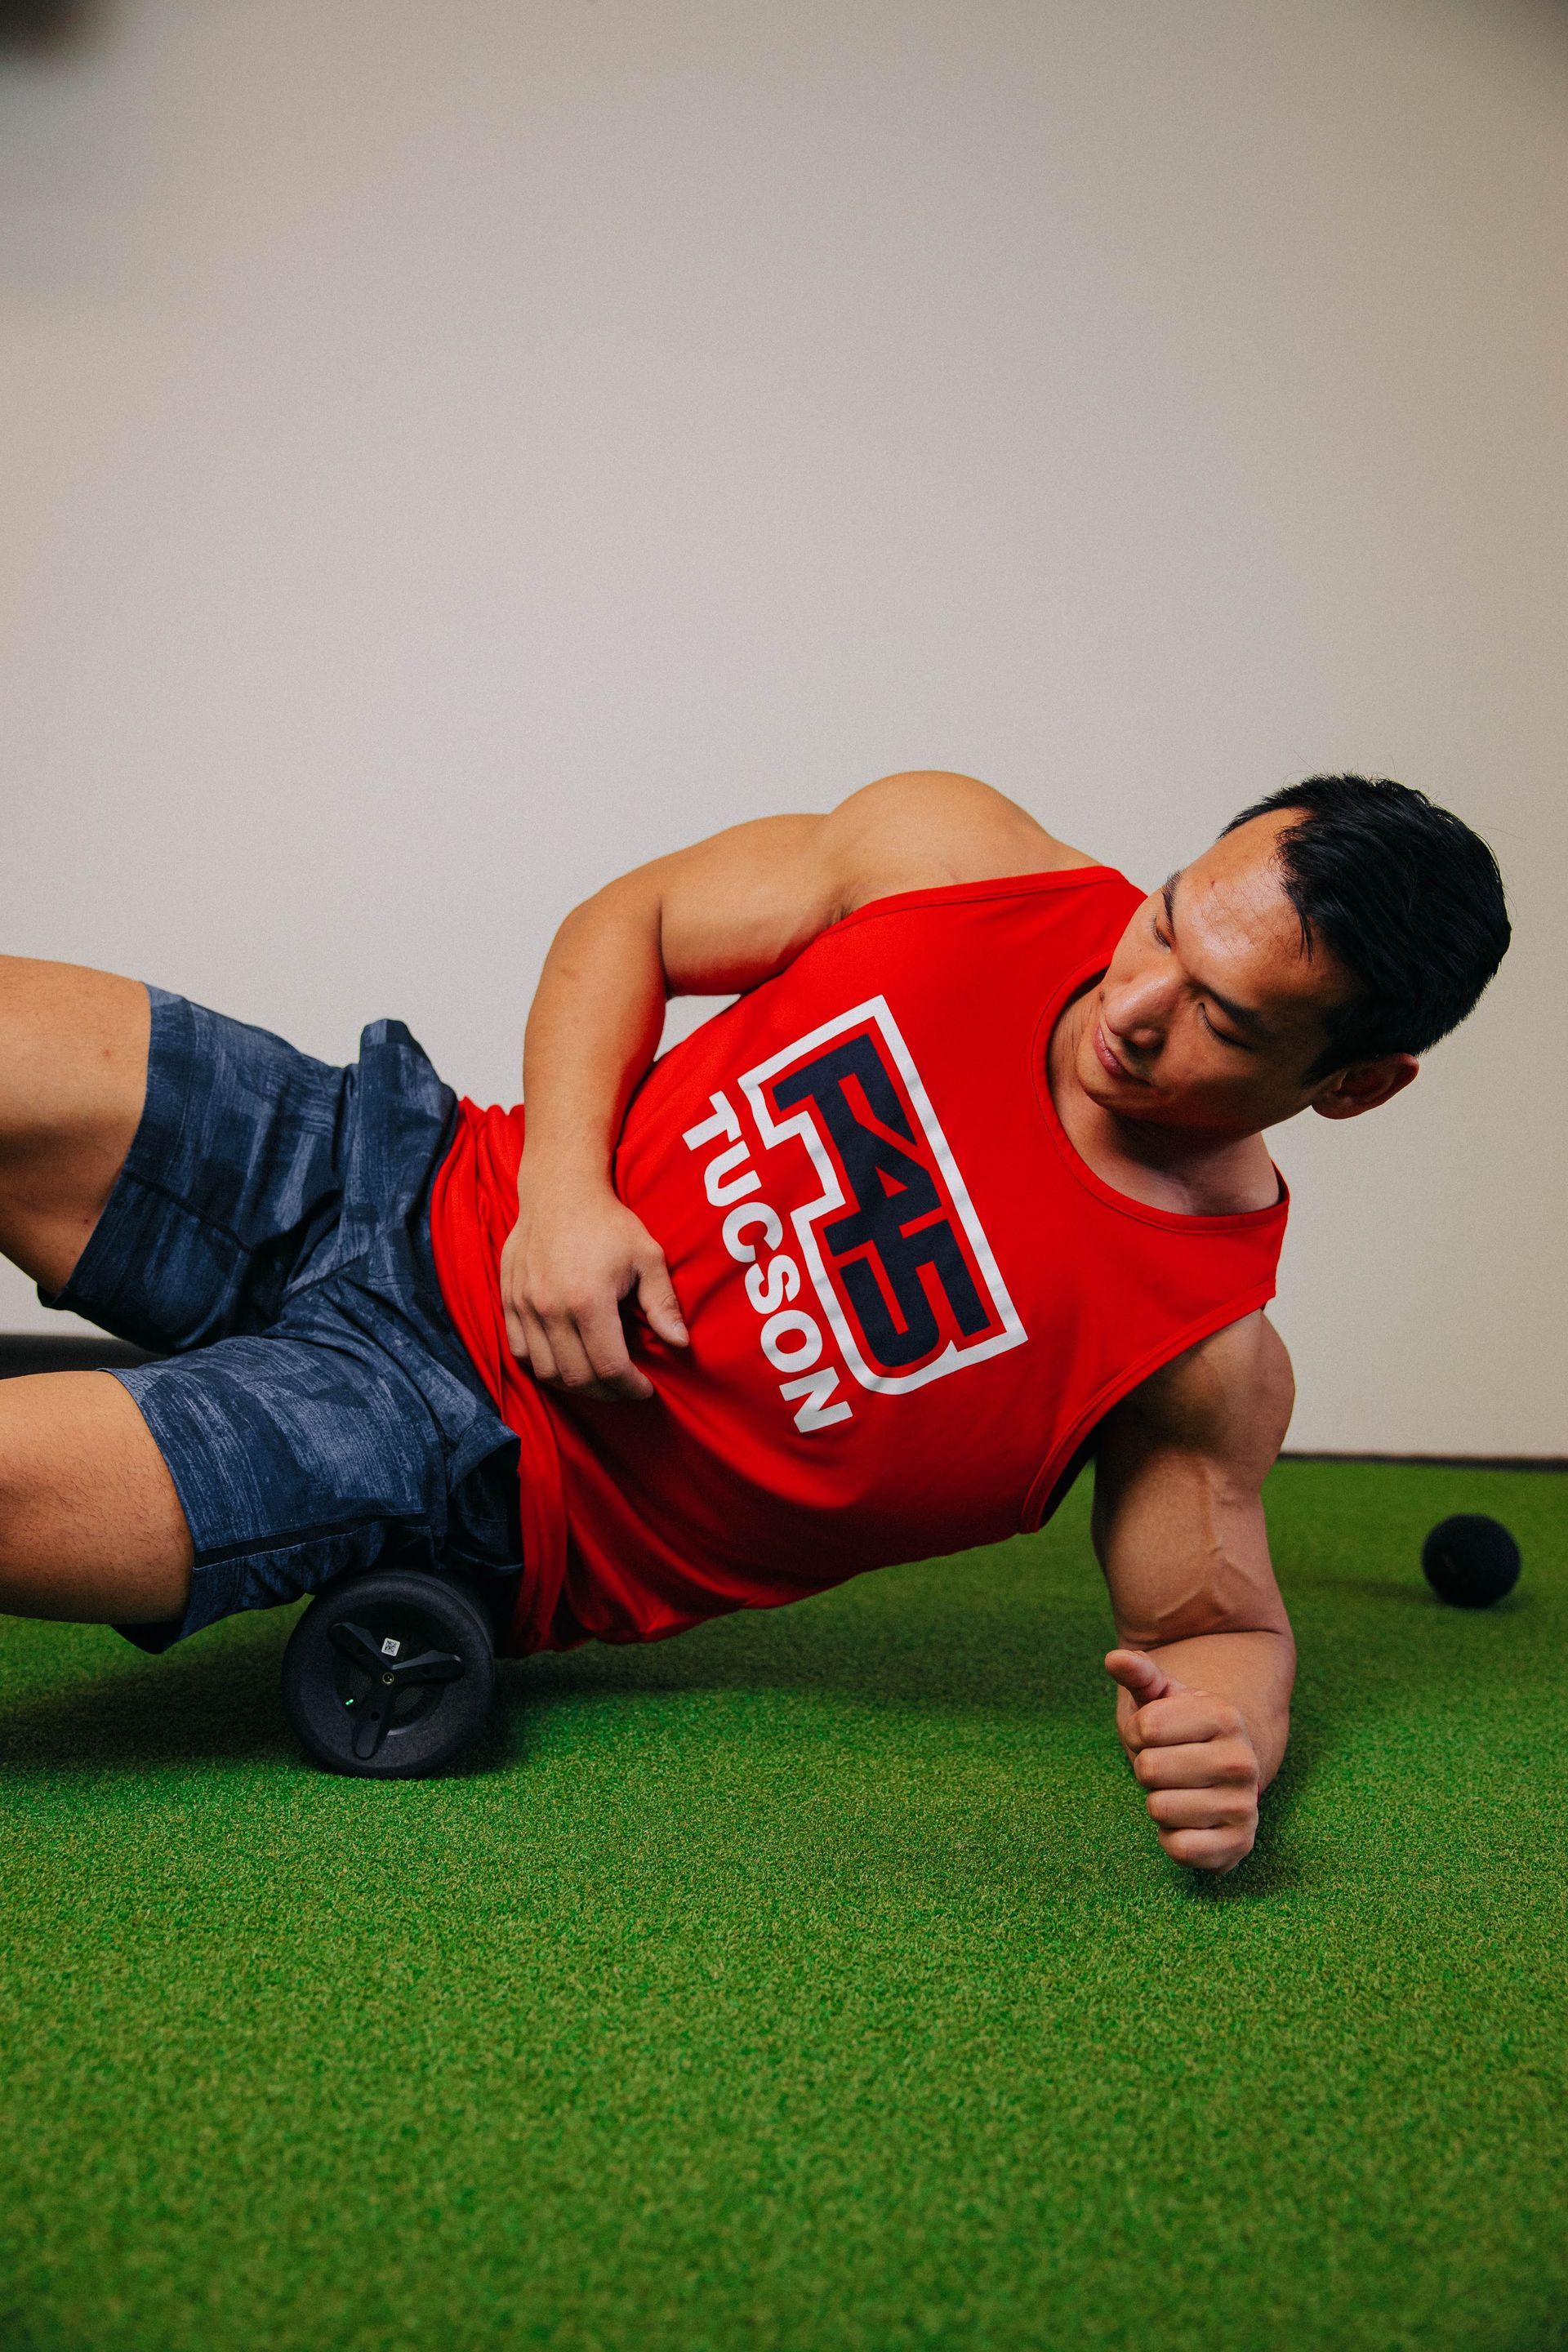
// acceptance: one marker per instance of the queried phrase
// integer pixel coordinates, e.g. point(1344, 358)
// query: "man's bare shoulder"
point(923, 827)
point(734, 910)
point(1229, 1397)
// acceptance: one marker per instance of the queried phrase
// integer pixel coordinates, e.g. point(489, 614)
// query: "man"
point(968, 1183)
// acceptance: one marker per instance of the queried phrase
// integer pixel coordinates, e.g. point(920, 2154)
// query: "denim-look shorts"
point(270, 1232)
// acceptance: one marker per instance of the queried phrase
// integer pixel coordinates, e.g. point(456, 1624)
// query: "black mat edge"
point(30, 1351)
point(41, 1351)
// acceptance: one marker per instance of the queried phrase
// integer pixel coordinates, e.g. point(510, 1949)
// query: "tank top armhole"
point(1044, 1495)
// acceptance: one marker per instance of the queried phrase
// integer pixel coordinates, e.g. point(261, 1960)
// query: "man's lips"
point(1118, 1069)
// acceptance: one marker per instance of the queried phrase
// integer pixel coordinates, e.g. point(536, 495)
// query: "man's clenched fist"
point(1191, 1751)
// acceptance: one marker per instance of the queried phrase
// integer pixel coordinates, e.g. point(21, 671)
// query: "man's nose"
point(1139, 1010)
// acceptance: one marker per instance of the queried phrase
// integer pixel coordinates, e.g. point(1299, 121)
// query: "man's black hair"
point(1408, 899)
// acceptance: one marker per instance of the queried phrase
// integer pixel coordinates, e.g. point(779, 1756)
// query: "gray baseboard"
point(1443, 1461)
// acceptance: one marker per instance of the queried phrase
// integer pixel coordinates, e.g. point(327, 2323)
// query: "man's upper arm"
point(739, 907)
point(1178, 1514)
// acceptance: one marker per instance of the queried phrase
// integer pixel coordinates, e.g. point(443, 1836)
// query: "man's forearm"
point(593, 1030)
point(1255, 1671)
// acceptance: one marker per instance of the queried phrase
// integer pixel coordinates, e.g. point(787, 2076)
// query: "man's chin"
point(1144, 1106)
point(1128, 1098)
point(1139, 1104)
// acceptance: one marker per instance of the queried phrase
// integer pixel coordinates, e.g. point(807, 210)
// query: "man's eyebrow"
point(1243, 1016)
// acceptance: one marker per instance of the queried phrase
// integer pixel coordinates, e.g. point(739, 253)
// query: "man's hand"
point(570, 1259)
point(1192, 1752)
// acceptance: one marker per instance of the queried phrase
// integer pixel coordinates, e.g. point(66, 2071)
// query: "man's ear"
point(1364, 1085)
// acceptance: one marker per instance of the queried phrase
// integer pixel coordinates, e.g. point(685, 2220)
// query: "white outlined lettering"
point(791, 1339)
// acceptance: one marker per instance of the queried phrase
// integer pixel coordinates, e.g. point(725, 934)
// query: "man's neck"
point(1194, 1174)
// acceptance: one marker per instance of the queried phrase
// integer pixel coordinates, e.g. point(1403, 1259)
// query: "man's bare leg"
point(73, 1075)
point(91, 1525)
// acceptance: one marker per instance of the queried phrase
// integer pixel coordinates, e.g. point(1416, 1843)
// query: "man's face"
point(1213, 1012)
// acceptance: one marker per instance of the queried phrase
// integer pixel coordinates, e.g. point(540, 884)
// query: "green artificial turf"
point(811, 1981)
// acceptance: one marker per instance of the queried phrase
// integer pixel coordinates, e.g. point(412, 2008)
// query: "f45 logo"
point(897, 1256)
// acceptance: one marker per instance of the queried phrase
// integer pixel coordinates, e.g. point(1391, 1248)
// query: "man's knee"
point(73, 1079)
point(90, 1524)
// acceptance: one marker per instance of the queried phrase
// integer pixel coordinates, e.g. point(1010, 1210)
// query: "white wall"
point(452, 452)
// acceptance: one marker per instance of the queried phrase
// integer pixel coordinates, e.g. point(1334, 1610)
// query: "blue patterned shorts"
point(270, 1232)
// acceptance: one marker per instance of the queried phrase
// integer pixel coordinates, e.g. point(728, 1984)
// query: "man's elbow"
point(1220, 1601)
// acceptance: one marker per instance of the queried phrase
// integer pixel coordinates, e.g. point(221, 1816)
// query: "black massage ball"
point(1470, 1560)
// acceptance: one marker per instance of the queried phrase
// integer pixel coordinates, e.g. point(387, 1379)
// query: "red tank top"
point(909, 1300)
